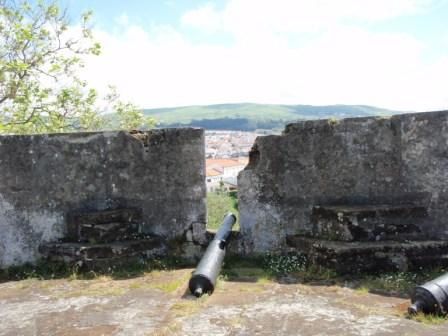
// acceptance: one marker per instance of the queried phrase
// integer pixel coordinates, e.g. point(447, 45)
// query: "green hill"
point(249, 116)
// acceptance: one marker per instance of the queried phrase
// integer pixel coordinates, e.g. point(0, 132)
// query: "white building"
point(219, 169)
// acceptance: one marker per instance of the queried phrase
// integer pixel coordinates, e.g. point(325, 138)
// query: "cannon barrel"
point(204, 277)
point(431, 298)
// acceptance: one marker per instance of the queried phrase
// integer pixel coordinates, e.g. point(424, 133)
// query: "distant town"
point(228, 144)
point(226, 155)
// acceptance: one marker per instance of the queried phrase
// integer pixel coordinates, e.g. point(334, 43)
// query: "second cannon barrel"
point(431, 298)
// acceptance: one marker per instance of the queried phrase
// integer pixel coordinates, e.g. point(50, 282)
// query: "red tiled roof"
point(225, 162)
point(211, 172)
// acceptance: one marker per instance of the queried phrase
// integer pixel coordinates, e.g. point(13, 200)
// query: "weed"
point(46, 270)
point(317, 273)
point(188, 307)
point(333, 121)
point(400, 283)
point(429, 318)
point(171, 329)
point(173, 285)
point(42, 271)
point(363, 290)
point(283, 264)
point(253, 274)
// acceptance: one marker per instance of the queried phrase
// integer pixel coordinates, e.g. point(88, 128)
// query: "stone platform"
point(104, 226)
point(103, 239)
point(368, 222)
point(355, 238)
point(379, 256)
point(100, 256)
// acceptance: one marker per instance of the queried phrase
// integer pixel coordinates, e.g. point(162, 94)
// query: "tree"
point(129, 116)
point(40, 60)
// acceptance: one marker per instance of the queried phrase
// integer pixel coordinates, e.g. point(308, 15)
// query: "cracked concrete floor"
point(158, 304)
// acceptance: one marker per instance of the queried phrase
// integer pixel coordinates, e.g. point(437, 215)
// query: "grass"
point(165, 281)
point(262, 269)
point(429, 319)
point(218, 205)
point(258, 270)
point(250, 269)
point(45, 270)
point(397, 283)
point(171, 285)
point(42, 271)
point(173, 328)
point(250, 272)
point(333, 121)
point(162, 281)
point(271, 267)
point(316, 273)
point(363, 290)
point(188, 307)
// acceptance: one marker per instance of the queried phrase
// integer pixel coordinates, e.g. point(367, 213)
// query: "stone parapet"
point(45, 179)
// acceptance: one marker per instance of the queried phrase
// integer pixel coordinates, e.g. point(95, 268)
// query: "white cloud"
point(123, 20)
point(343, 65)
point(250, 16)
point(205, 17)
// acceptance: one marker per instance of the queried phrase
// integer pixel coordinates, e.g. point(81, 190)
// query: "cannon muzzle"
point(204, 277)
point(431, 297)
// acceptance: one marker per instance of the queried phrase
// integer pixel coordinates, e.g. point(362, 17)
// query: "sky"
point(164, 53)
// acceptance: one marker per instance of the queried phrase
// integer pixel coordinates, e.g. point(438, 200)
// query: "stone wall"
point(394, 162)
point(46, 178)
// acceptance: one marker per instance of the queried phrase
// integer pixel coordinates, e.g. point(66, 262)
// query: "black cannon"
point(431, 298)
point(204, 277)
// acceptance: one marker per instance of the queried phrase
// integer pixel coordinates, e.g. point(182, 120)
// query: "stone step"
point(381, 256)
point(368, 222)
point(104, 226)
point(107, 252)
point(110, 232)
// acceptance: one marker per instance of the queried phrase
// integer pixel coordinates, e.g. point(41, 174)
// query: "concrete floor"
point(159, 304)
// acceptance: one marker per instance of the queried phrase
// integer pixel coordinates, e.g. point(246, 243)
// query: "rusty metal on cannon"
point(431, 298)
point(204, 277)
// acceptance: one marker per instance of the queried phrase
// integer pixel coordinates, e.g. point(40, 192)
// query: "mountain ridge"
point(252, 116)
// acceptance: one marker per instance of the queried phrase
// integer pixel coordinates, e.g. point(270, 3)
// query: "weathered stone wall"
point(364, 161)
point(45, 178)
